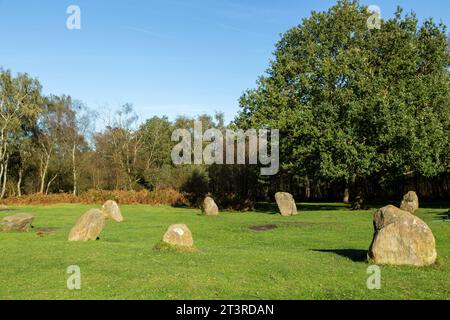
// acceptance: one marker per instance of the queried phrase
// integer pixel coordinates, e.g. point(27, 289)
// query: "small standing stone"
point(410, 202)
point(286, 204)
point(178, 235)
point(210, 207)
point(19, 222)
point(346, 196)
point(112, 210)
point(88, 227)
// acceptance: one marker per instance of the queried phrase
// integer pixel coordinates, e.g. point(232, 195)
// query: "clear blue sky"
point(164, 56)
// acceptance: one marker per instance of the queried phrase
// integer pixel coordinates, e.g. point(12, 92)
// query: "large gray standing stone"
point(112, 210)
point(18, 222)
point(178, 235)
point(410, 202)
point(88, 227)
point(286, 204)
point(210, 207)
point(401, 238)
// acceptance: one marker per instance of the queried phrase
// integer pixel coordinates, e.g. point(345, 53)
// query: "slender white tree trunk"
point(74, 169)
point(49, 183)
point(44, 169)
point(2, 169)
point(19, 183)
point(5, 177)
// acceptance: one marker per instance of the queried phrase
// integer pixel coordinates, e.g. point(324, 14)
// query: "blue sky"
point(167, 57)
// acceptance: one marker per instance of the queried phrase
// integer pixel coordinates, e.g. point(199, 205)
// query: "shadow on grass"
point(355, 255)
point(272, 208)
point(323, 206)
point(443, 215)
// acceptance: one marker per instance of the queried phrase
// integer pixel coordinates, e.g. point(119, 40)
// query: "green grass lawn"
point(319, 254)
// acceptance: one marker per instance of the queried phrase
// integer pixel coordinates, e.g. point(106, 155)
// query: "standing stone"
point(178, 235)
point(410, 202)
point(88, 227)
point(286, 204)
point(346, 199)
point(210, 207)
point(18, 222)
point(401, 238)
point(112, 210)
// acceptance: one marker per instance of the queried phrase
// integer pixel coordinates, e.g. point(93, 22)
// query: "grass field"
point(319, 254)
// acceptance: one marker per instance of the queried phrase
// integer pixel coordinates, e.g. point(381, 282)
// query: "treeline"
point(48, 144)
point(361, 112)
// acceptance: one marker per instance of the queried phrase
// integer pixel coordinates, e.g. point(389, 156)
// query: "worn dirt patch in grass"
point(46, 231)
point(263, 227)
point(311, 224)
point(268, 227)
point(301, 223)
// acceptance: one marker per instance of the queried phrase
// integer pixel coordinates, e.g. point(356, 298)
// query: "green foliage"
point(196, 186)
point(353, 103)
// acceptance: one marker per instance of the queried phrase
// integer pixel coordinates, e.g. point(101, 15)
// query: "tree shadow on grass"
point(355, 255)
point(272, 208)
point(322, 206)
point(444, 215)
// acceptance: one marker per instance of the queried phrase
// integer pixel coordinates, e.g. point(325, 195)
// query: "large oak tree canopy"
point(355, 103)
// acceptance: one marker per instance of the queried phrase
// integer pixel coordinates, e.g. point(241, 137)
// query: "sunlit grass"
point(319, 254)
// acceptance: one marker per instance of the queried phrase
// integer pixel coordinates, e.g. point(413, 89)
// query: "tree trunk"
point(307, 188)
point(44, 169)
point(5, 176)
point(2, 169)
point(19, 183)
point(49, 183)
point(74, 167)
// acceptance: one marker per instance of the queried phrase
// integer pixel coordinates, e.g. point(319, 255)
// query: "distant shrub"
point(38, 198)
point(196, 187)
point(234, 202)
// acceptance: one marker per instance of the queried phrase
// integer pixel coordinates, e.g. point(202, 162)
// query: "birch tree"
point(20, 103)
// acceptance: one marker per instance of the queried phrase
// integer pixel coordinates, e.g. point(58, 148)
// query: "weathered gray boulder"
point(410, 202)
point(286, 204)
point(210, 207)
point(19, 222)
point(401, 238)
point(178, 235)
point(112, 211)
point(88, 227)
